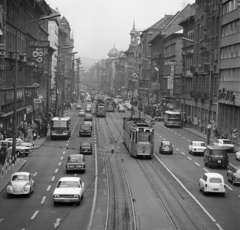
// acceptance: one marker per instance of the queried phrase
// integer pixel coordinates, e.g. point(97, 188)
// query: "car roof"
point(86, 143)
point(69, 179)
point(210, 174)
point(76, 155)
point(198, 142)
point(224, 139)
point(166, 142)
point(21, 173)
point(216, 147)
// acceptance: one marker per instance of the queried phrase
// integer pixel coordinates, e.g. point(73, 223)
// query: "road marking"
point(35, 174)
point(1, 220)
point(188, 140)
point(173, 146)
point(177, 149)
point(206, 170)
point(56, 170)
point(63, 152)
point(183, 137)
point(61, 157)
point(59, 163)
point(197, 164)
point(43, 199)
point(179, 135)
point(53, 178)
point(34, 215)
point(189, 158)
point(219, 226)
point(228, 187)
point(49, 187)
point(57, 222)
point(183, 153)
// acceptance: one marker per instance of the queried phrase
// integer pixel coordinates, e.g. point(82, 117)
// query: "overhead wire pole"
point(14, 121)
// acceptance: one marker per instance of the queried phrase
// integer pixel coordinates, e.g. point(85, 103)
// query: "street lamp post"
point(207, 53)
point(14, 121)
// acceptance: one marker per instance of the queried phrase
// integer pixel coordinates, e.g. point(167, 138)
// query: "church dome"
point(113, 53)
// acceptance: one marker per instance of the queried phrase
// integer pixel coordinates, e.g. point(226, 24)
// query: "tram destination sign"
point(38, 44)
point(172, 63)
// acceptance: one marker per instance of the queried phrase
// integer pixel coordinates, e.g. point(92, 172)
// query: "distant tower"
point(133, 35)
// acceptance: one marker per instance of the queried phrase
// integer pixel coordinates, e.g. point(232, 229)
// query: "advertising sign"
point(39, 44)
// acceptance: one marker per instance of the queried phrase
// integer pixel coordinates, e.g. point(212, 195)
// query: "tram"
point(138, 136)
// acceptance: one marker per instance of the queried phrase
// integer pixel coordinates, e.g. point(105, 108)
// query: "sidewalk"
point(8, 170)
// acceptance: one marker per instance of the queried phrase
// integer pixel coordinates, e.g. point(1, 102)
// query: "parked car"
point(20, 150)
point(78, 107)
point(85, 130)
point(212, 182)
point(21, 183)
point(127, 103)
point(237, 156)
point(226, 143)
point(88, 123)
point(21, 142)
point(69, 189)
point(81, 113)
point(86, 148)
point(166, 147)
point(197, 147)
point(233, 174)
point(121, 109)
point(216, 156)
point(88, 117)
point(76, 162)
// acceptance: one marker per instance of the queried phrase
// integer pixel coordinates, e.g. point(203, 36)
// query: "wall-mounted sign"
point(29, 109)
point(37, 100)
point(39, 44)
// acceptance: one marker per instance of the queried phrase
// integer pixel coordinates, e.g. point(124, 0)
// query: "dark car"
point(233, 175)
point(76, 162)
point(88, 117)
point(216, 156)
point(86, 148)
point(78, 107)
point(85, 130)
point(166, 147)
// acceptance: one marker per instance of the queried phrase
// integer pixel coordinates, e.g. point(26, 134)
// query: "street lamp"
point(14, 123)
point(207, 54)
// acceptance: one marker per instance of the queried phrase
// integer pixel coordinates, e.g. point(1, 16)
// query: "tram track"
point(119, 211)
point(180, 215)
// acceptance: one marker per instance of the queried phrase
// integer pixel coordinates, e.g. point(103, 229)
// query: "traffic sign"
point(152, 122)
point(209, 126)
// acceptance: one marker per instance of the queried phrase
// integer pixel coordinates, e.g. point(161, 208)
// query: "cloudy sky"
point(99, 25)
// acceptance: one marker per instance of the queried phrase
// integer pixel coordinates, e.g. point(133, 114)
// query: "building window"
point(229, 6)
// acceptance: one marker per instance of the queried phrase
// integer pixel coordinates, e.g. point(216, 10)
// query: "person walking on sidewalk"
point(34, 136)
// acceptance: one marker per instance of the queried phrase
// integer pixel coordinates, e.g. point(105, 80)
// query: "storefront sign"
point(39, 44)
point(29, 109)
point(9, 95)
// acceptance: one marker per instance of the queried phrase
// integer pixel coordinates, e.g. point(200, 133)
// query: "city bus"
point(60, 127)
point(138, 136)
point(172, 118)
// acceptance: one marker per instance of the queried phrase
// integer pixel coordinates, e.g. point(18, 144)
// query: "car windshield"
point(20, 178)
point(215, 180)
point(85, 144)
point(227, 142)
point(199, 144)
point(75, 159)
point(85, 127)
point(219, 153)
point(68, 184)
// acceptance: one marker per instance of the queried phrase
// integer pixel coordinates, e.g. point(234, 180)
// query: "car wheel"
point(78, 203)
point(55, 203)
point(223, 194)
point(192, 153)
point(30, 193)
point(204, 193)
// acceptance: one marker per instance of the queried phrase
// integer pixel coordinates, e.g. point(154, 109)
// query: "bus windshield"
point(144, 137)
point(59, 124)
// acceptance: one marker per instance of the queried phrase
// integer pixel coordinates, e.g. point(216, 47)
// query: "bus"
point(60, 127)
point(172, 118)
point(138, 137)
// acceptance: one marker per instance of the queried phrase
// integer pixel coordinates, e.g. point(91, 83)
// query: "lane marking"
point(177, 149)
point(34, 215)
point(56, 170)
point(49, 187)
point(183, 153)
point(35, 174)
point(43, 199)
point(197, 164)
point(228, 187)
point(206, 170)
point(63, 152)
point(189, 158)
point(57, 222)
point(188, 140)
point(59, 163)
point(219, 226)
point(53, 178)
point(61, 157)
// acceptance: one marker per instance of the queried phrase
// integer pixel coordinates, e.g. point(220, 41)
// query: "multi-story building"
point(229, 83)
point(31, 71)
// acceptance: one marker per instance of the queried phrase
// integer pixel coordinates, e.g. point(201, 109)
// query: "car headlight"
point(76, 196)
point(56, 196)
point(26, 188)
point(10, 187)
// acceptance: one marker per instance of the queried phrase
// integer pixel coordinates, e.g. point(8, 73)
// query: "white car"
point(237, 156)
point(81, 113)
point(88, 123)
point(21, 183)
point(21, 142)
point(121, 109)
point(127, 103)
point(69, 189)
point(20, 150)
point(212, 182)
point(226, 143)
point(197, 147)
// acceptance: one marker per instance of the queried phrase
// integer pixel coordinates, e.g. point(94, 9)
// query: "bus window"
point(144, 137)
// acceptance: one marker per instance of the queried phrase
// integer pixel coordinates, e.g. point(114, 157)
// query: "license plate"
point(219, 161)
point(215, 189)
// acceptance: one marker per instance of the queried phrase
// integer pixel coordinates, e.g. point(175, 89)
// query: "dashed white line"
point(189, 158)
point(177, 149)
point(229, 187)
point(188, 140)
point(61, 157)
point(219, 226)
point(43, 199)
point(59, 163)
point(63, 152)
point(206, 170)
point(56, 170)
point(35, 174)
point(34, 215)
point(197, 164)
point(183, 153)
point(49, 187)
point(53, 178)
point(183, 137)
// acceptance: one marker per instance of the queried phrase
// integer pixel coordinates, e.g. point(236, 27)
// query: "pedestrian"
point(34, 136)
point(1, 136)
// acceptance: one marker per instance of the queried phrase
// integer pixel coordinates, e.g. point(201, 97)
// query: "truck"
point(225, 143)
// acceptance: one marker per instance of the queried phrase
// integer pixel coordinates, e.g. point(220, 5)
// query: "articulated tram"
point(138, 136)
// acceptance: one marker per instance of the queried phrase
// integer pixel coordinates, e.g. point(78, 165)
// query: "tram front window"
point(144, 137)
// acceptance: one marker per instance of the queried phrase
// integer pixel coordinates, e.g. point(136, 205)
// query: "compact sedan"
point(212, 182)
point(86, 148)
point(166, 147)
point(237, 156)
point(88, 123)
point(88, 117)
point(76, 162)
point(21, 142)
point(85, 130)
point(197, 147)
point(233, 175)
point(69, 189)
point(121, 109)
point(81, 113)
point(78, 107)
point(21, 183)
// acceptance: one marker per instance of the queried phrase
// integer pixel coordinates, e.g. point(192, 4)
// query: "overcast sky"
point(99, 25)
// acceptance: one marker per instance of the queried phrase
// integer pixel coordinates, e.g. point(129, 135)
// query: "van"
point(216, 156)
